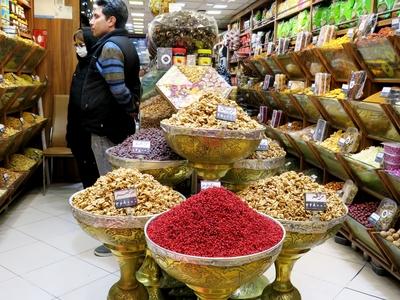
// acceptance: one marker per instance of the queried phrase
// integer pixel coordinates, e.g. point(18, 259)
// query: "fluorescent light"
point(137, 14)
point(138, 22)
point(220, 6)
point(138, 26)
point(137, 19)
point(136, 2)
point(213, 12)
point(210, 4)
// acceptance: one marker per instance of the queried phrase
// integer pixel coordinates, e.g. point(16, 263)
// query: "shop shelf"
point(394, 183)
point(375, 121)
point(288, 105)
point(7, 144)
point(273, 66)
point(338, 116)
point(366, 175)
point(19, 57)
point(290, 66)
point(311, 112)
point(7, 97)
point(362, 234)
point(31, 101)
point(391, 251)
point(34, 60)
point(338, 63)
point(250, 96)
point(272, 133)
point(261, 65)
point(332, 164)
point(7, 47)
point(307, 152)
point(311, 62)
point(268, 100)
point(284, 139)
point(17, 143)
point(381, 59)
point(25, 94)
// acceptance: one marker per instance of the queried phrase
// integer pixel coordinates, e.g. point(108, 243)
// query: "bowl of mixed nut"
point(212, 134)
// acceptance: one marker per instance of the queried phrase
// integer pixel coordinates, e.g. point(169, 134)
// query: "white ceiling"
point(233, 7)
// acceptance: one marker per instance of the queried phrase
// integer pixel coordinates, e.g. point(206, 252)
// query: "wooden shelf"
point(264, 25)
point(25, 35)
point(24, 3)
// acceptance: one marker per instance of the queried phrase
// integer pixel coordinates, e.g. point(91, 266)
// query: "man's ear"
point(112, 21)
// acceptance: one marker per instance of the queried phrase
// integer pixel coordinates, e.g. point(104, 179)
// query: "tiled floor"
point(45, 255)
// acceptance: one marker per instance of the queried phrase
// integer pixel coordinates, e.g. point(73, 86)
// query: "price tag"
point(2, 128)
point(267, 82)
point(22, 120)
point(374, 218)
point(263, 114)
point(379, 157)
point(314, 177)
point(270, 48)
point(263, 145)
point(315, 201)
point(1, 79)
point(141, 147)
point(320, 131)
point(276, 118)
point(345, 88)
point(314, 40)
point(290, 125)
point(206, 184)
point(349, 191)
point(226, 113)
point(313, 87)
point(396, 23)
point(6, 177)
point(125, 198)
point(386, 92)
point(352, 83)
point(290, 83)
point(350, 33)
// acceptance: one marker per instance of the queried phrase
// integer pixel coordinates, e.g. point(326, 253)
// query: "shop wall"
point(60, 61)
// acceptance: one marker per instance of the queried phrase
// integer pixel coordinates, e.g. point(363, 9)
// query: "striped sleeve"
point(111, 66)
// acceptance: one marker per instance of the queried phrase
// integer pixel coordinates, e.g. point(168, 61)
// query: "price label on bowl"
point(263, 145)
point(226, 113)
point(125, 198)
point(206, 184)
point(141, 147)
point(379, 157)
point(374, 218)
point(320, 131)
point(315, 201)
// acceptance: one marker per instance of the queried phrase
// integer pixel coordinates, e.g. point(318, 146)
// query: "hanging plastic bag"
point(159, 6)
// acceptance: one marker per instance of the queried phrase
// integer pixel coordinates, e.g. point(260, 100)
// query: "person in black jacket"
point(111, 89)
point(78, 140)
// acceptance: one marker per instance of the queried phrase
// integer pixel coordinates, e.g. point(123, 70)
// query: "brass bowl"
point(213, 278)
point(124, 236)
point(168, 172)
point(246, 171)
point(212, 152)
point(301, 236)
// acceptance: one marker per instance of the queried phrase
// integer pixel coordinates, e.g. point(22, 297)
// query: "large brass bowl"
point(124, 236)
point(246, 171)
point(300, 238)
point(212, 152)
point(168, 172)
point(213, 278)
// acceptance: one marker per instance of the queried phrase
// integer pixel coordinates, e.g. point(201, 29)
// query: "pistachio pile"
point(152, 197)
point(154, 110)
point(202, 114)
point(273, 151)
point(282, 197)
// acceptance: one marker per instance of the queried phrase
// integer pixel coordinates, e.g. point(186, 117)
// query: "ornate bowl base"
point(210, 171)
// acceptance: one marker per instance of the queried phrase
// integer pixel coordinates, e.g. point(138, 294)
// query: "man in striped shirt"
point(111, 89)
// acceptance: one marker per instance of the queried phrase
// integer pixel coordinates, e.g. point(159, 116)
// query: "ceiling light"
point(138, 26)
point(210, 4)
point(220, 6)
point(136, 2)
point(137, 14)
point(213, 12)
point(137, 19)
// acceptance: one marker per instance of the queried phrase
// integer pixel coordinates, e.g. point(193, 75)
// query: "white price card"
point(315, 201)
point(396, 23)
point(263, 145)
point(320, 131)
point(206, 184)
point(125, 198)
point(226, 113)
point(386, 91)
point(379, 157)
point(141, 147)
point(2, 128)
point(374, 218)
point(345, 88)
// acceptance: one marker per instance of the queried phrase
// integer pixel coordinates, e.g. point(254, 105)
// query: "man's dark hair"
point(116, 8)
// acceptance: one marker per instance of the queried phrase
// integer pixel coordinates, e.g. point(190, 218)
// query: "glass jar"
point(204, 57)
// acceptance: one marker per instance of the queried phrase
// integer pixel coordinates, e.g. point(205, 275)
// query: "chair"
point(57, 145)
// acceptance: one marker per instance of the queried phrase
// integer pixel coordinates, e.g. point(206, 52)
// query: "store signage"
point(141, 147)
point(125, 198)
point(226, 113)
point(206, 184)
point(320, 131)
point(276, 118)
point(315, 201)
point(263, 145)
point(379, 157)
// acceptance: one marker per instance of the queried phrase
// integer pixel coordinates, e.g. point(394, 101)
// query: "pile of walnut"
point(282, 197)
point(392, 236)
point(274, 151)
point(152, 197)
point(202, 114)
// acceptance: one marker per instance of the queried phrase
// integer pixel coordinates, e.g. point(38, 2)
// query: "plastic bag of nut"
point(187, 29)
point(159, 6)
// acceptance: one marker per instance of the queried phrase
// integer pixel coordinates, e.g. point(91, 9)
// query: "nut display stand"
point(213, 278)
